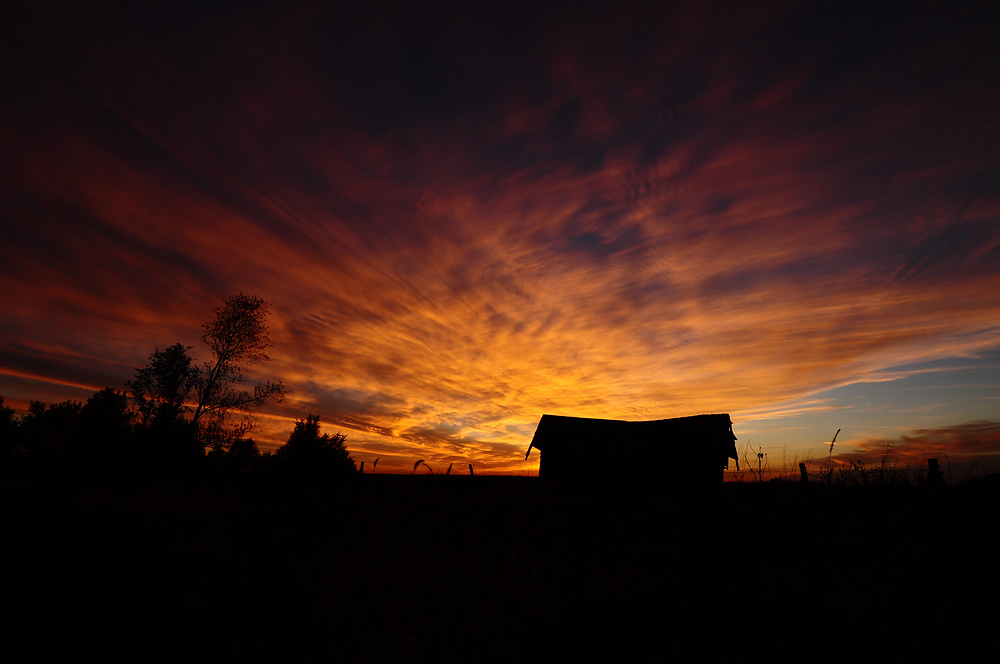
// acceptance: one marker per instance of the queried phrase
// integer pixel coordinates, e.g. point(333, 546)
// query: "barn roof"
point(584, 434)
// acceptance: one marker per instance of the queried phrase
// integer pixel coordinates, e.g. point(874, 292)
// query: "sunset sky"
point(466, 217)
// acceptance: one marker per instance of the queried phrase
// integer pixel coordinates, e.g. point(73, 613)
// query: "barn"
point(688, 450)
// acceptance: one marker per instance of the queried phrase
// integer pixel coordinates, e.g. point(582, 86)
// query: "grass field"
point(429, 568)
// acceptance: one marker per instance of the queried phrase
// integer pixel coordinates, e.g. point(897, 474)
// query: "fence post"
point(803, 475)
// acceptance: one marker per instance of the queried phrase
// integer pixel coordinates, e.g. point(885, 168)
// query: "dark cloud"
point(944, 253)
point(975, 439)
point(598, 245)
point(962, 449)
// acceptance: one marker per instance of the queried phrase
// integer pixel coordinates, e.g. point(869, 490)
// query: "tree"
point(238, 338)
point(105, 422)
point(46, 434)
point(161, 389)
point(50, 427)
point(11, 450)
point(8, 421)
point(171, 386)
point(101, 443)
point(167, 443)
point(308, 453)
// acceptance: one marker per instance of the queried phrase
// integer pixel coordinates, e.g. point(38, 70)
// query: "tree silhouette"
point(11, 449)
point(68, 439)
point(171, 386)
point(160, 390)
point(238, 338)
point(243, 455)
point(107, 414)
point(307, 453)
point(99, 444)
point(167, 442)
point(7, 421)
point(46, 433)
point(172, 410)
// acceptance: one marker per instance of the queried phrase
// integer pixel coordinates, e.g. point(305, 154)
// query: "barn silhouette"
point(684, 450)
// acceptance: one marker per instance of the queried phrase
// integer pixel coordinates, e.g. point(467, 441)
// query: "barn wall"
point(567, 465)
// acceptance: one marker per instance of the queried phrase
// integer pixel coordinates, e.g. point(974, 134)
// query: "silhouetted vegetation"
point(173, 424)
point(161, 389)
point(9, 440)
point(313, 457)
point(238, 338)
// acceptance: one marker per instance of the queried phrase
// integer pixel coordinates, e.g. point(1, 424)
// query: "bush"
point(309, 455)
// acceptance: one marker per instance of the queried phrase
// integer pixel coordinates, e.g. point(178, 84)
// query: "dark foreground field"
point(490, 569)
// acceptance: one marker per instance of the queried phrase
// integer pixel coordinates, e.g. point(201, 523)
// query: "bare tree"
point(238, 338)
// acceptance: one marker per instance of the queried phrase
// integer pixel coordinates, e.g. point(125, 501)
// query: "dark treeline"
point(106, 440)
point(176, 421)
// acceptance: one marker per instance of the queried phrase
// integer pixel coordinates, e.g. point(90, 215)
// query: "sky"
point(464, 217)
